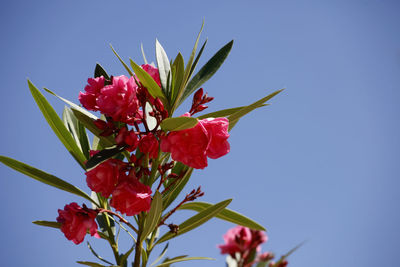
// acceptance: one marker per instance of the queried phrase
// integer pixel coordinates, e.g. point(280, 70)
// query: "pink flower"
point(119, 100)
point(127, 138)
point(192, 146)
point(153, 73)
point(217, 130)
point(242, 239)
point(76, 221)
point(131, 197)
point(149, 144)
point(104, 177)
point(92, 90)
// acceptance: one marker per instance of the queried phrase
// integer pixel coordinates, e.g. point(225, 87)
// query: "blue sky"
point(320, 164)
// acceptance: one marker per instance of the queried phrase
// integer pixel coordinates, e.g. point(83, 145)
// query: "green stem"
point(138, 248)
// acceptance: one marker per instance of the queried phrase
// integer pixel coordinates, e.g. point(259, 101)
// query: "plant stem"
point(138, 248)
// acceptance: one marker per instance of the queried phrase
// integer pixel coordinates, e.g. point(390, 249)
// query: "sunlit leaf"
point(57, 125)
point(225, 214)
point(234, 118)
point(164, 68)
point(208, 70)
point(43, 177)
point(196, 220)
point(154, 215)
point(168, 262)
point(148, 82)
point(178, 123)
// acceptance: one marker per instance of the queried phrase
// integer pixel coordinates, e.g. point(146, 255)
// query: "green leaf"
point(77, 131)
point(234, 118)
point(262, 264)
point(57, 125)
point(174, 191)
point(164, 67)
point(154, 215)
point(197, 58)
point(161, 255)
point(167, 263)
point(208, 70)
point(93, 264)
point(84, 139)
point(122, 62)
point(186, 75)
point(148, 82)
point(73, 105)
point(97, 255)
point(103, 155)
point(196, 220)
point(178, 71)
point(178, 123)
point(222, 113)
point(125, 256)
point(226, 214)
point(99, 71)
point(43, 177)
point(144, 55)
point(56, 225)
point(88, 122)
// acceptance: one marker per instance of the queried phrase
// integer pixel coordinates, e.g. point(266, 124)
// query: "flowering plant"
point(142, 156)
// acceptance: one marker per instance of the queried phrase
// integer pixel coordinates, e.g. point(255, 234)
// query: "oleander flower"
point(131, 197)
point(153, 71)
point(217, 130)
point(149, 144)
point(92, 91)
point(243, 240)
point(192, 146)
point(76, 221)
point(104, 177)
point(118, 100)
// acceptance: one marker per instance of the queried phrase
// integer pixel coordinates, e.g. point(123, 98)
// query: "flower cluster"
point(243, 245)
point(123, 101)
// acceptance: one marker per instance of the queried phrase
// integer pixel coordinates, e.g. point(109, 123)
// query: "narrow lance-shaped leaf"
point(234, 118)
point(99, 71)
point(57, 125)
point(93, 264)
point(154, 215)
point(223, 112)
point(173, 192)
point(43, 177)
point(163, 65)
point(208, 70)
point(122, 62)
point(178, 123)
point(73, 105)
point(196, 220)
point(186, 75)
point(149, 82)
point(192, 69)
point(143, 54)
point(225, 214)
point(97, 255)
point(88, 123)
point(57, 225)
point(161, 255)
point(178, 69)
point(168, 262)
point(103, 155)
point(71, 124)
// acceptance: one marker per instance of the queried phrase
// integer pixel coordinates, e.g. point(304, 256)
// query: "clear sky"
point(320, 164)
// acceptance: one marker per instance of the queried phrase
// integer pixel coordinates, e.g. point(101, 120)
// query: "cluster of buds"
point(198, 102)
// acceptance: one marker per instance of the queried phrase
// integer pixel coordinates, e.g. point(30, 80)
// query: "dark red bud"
point(198, 95)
